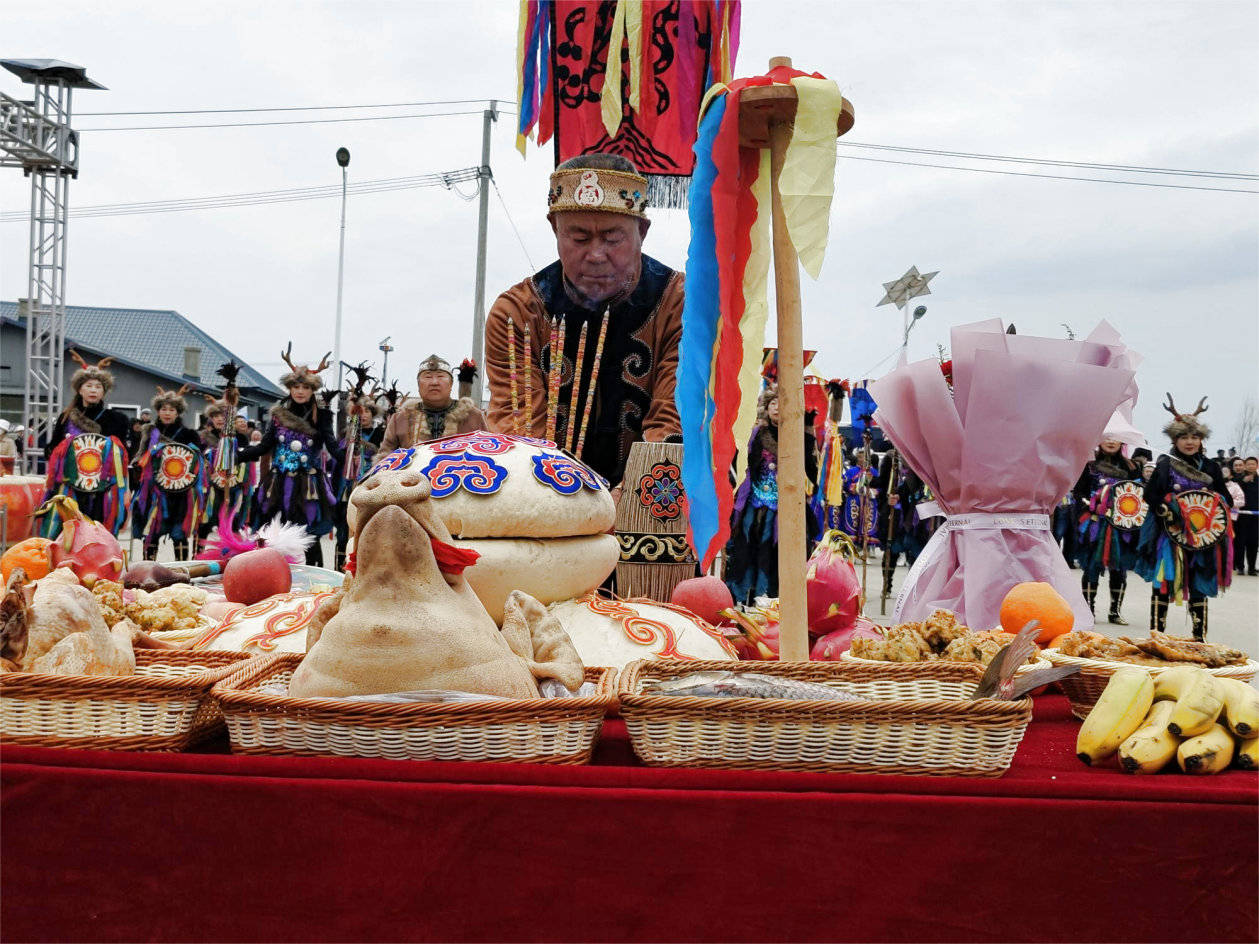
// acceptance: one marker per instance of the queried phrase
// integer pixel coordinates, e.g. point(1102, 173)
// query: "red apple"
point(256, 575)
point(706, 597)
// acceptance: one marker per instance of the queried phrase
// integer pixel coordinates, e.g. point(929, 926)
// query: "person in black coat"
point(299, 442)
point(87, 451)
point(172, 488)
point(1246, 545)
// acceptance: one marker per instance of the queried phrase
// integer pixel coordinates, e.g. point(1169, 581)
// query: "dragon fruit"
point(831, 585)
point(86, 547)
point(830, 647)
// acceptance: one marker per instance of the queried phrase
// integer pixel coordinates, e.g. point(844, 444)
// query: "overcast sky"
point(1161, 84)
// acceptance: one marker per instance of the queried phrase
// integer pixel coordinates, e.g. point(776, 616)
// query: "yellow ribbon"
point(807, 183)
point(520, 68)
point(755, 312)
point(610, 101)
point(634, 36)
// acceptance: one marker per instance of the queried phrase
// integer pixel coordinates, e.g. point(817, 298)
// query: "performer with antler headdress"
point(1109, 493)
point(87, 455)
point(231, 483)
point(1186, 548)
point(172, 478)
point(298, 434)
point(360, 438)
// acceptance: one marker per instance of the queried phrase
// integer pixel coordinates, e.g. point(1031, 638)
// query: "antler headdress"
point(173, 398)
point(88, 372)
point(1185, 424)
point(301, 373)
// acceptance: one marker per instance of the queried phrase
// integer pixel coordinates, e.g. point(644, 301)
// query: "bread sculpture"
point(537, 518)
point(408, 619)
point(54, 627)
point(617, 632)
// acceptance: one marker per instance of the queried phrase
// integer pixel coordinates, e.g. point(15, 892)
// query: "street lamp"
point(899, 292)
point(385, 348)
point(343, 161)
point(918, 313)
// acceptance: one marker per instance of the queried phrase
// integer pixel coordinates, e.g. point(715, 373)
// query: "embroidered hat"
point(435, 362)
point(88, 372)
point(597, 189)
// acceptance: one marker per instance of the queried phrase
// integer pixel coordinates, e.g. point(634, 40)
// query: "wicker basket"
point(541, 731)
point(1085, 687)
point(917, 719)
point(165, 706)
point(1040, 663)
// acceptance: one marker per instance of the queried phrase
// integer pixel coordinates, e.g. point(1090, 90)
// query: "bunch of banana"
point(1204, 721)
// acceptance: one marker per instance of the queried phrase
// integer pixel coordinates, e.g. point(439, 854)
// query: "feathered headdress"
point(301, 373)
point(88, 372)
point(1185, 424)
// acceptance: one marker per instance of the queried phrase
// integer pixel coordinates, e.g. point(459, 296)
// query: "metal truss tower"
point(36, 136)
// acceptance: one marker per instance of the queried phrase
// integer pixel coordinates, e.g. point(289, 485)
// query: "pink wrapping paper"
point(1025, 415)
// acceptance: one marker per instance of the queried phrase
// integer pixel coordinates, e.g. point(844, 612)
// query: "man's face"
point(1252, 466)
point(434, 387)
point(241, 425)
point(601, 252)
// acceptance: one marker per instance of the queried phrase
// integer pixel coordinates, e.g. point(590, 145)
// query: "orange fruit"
point(32, 555)
point(1036, 601)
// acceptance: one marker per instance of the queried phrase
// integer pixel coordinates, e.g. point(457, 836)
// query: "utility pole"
point(343, 160)
point(484, 177)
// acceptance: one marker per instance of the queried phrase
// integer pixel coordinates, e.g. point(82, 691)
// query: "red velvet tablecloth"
point(213, 847)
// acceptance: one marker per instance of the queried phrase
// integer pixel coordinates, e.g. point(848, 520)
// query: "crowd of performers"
point(178, 485)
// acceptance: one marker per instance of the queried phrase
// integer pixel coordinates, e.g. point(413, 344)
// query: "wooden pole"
point(792, 537)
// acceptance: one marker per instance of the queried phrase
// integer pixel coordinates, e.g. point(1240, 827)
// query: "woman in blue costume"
point(87, 455)
point(752, 554)
point(1186, 542)
point(861, 500)
point(1102, 543)
point(298, 433)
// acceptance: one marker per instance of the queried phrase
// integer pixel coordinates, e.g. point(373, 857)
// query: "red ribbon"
point(450, 559)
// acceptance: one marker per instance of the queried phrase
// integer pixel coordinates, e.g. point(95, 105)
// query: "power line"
point(1016, 173)
point(1129, 168)
point(513, 225)
point(447, 179)
point(231, 111)
point(300, 121)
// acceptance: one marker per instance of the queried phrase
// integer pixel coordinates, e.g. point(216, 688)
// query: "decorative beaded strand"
point(527, 420)
point(574, 393)
point(594, 377)
point(511, 373)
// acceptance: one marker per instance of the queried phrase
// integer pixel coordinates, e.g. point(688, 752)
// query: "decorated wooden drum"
point(19, 497)
point(1127, 506)
point(1202, 521)
point(651, 524)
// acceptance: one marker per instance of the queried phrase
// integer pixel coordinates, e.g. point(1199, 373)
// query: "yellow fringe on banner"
point(521, 39)
point(755, 313)
point(807, 183)
point(610, 102)
point(634, 36)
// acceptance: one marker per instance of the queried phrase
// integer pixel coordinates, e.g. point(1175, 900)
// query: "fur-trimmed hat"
point(301, 373)
point(88, 372)
point(435, 362)
point(1185, 424)
point(173, 398)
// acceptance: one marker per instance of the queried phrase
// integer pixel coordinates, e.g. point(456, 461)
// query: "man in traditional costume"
point(1185, 548)
point(436, 415)
point(87, 455)
point(1108, 491)
point(903, 531)
point(617, 311)
point(172, 478)
point(299, 487)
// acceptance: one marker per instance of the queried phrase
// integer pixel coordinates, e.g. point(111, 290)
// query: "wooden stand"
point(766, 118)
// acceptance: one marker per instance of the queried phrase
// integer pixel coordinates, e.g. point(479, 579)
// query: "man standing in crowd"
point(436, 415)
point(1246, 528)
point(602, 281)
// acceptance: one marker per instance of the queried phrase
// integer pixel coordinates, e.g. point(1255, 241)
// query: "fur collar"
point(285, 417)
point(1114, 467)
point(1199, 476)
point(417, 419)
point(80, 420)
